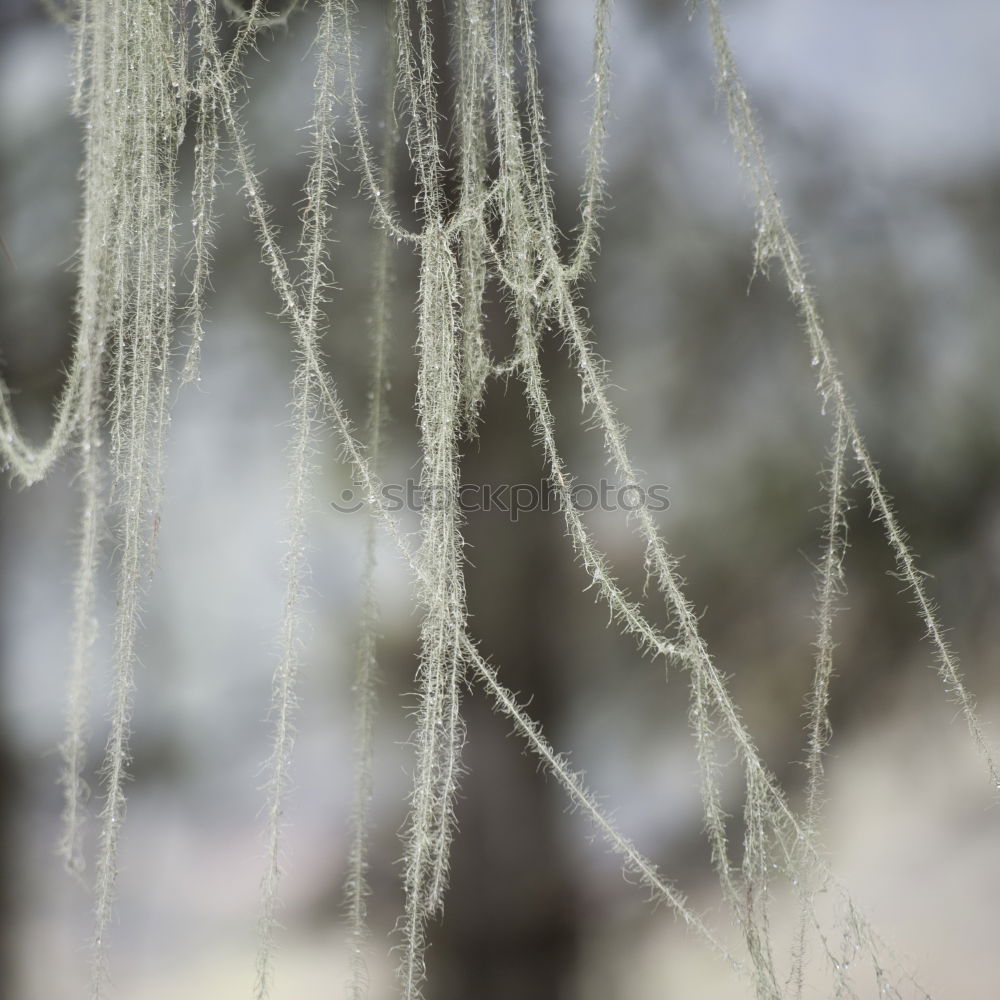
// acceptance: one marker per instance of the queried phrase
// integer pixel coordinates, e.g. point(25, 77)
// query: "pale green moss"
point(132, 94)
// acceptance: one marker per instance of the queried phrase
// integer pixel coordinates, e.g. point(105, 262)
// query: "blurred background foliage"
point(882, 126)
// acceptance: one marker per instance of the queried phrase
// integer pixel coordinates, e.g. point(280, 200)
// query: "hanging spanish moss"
point(152, 75)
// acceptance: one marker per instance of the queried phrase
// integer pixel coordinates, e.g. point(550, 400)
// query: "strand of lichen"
point(305, 318)
point(259, 14)
point(471, 43)
point(581, 798)
point(29, 463)
point(73, 748)
point(775, 240)
point(366, 667)
point(440, 729)
point(305, 392)
point(141, 107)
point(705, 676)
point(517, 265)
point(592, 378)
point(594, 391)
point(206, 169)
point(519, 228)
point(283, 701)
point(384, 210)
point(518, 270)
point(830, 585)
point(526, 219)
point(624, 611)
point(438, 734)
point(586, 246)
point(756, 864)
point(93, 315)
point(316, 283)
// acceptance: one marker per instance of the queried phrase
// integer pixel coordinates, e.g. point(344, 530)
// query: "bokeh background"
point(882, 124)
